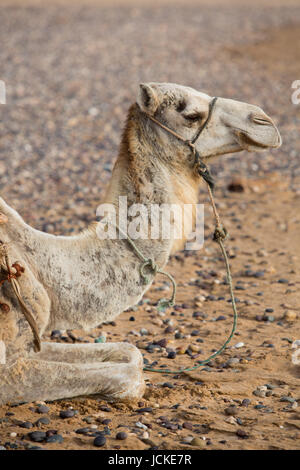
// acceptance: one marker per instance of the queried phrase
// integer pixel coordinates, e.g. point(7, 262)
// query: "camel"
point(81, 281)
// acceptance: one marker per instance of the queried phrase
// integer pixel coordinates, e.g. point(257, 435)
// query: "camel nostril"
point(261, 120)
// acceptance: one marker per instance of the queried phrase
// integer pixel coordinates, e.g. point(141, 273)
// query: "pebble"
point(121, 436)
point(241, 433)
point(168, 385)
point(198, 442)
point(37, 436)
point(187, 439)
point(231, 410)
point(290, 315)
point(232, 362)
point(26, 425)
point(231, 420)
point(140, 425)
point(99, 441)
point(287, 399)
point(172, 355)
point(2, 448)
point(67, 414)
point(187, 425)
point(55, 438)
point(42, 409)
point(100, 339)
point(42, 421)
point(147, 409)
point(246, 402)
point(239, 345)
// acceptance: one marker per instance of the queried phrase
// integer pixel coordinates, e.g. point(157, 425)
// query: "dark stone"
point(246, 402)
point(121, 436)
point(42, 409)
point(106, 421)
point(187, 425)
point(42, 421)
point(26, 425)
point(168, 385)
point(147, 409)
point(171, 355)
point(100, 440)
point(55, 438)
point(67, 414)
point(231, 410)
point(37, 436)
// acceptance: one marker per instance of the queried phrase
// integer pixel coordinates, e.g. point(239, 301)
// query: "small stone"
point(37, 436)
point(100, 339)
point(42, 409)
point(290, 315)
point(56, 438)
point(231, 420)
point(231, 410)
point(239, 345)
point(141, 426)
point(259, 393)
point(26, 425)
point(187, 439)
point(13, 434)
point(162, 342)
point(287, 399)
point(121, 436)
point(42, 421)
point(172, 355)
point(146, 409)
point(232, 362)
point(246, 402)
point(168, 385)
point(198, 442)
point(100, 440)
point(241, 433)
point(67, 414)
point(187, 425)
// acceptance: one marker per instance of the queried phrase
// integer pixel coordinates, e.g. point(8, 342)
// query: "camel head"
point(233, 125)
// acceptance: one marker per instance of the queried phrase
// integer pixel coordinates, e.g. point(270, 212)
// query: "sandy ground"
point(70, 75)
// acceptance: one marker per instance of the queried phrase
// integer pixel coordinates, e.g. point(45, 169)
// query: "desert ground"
point(71, 71)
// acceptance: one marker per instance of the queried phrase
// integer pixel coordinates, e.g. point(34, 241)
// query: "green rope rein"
point(219, 235)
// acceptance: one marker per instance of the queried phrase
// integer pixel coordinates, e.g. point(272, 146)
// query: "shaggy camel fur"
point(81, 281)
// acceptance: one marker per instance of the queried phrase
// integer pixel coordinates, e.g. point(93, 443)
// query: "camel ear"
point(148, 98)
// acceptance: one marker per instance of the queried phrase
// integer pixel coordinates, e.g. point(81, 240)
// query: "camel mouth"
point(249, 142)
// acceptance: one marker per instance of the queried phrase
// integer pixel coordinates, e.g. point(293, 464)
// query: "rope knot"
point(220, 233)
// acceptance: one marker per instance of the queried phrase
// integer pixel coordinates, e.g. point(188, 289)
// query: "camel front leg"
point(114, 371)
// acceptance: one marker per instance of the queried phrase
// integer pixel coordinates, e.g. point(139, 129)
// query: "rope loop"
point(149, 262)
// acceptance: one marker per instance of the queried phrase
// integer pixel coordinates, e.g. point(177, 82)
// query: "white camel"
point(81, 281)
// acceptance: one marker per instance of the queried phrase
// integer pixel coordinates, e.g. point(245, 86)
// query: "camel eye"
point(194, 117)
point(181, 106)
